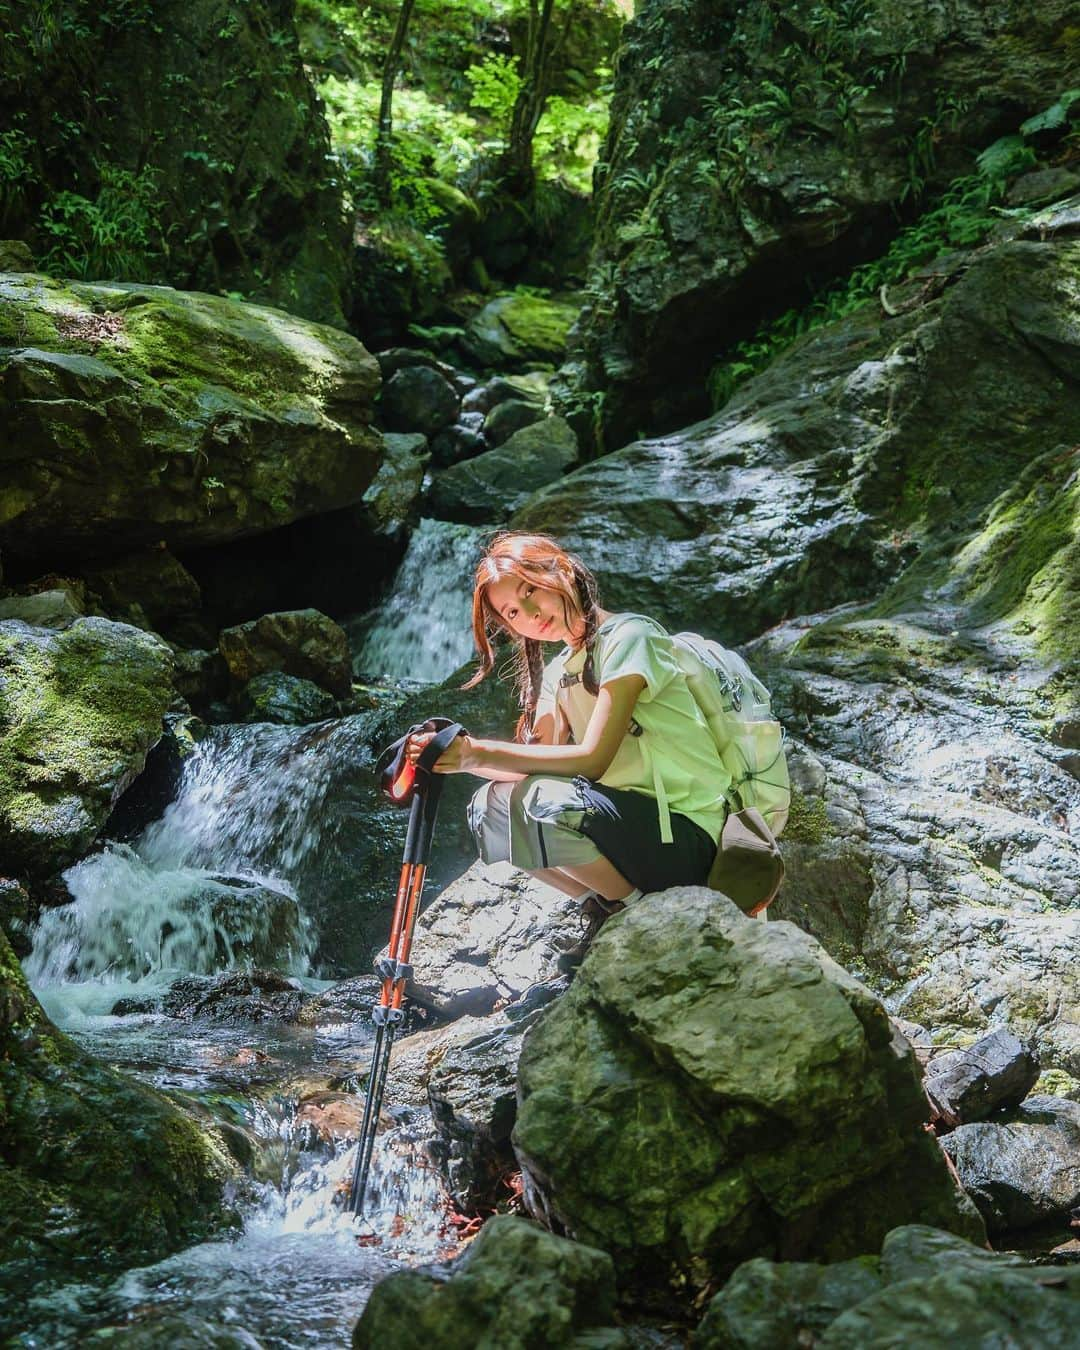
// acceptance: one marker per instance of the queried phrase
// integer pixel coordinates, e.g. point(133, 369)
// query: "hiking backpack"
point(738, 710)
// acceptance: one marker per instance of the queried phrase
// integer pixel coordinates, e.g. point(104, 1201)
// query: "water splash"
point(423, 628)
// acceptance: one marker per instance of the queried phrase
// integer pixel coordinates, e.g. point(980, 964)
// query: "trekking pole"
point(420, 789)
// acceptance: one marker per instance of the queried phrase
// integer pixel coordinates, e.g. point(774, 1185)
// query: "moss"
point(537, 325)
point(1057, 1083)
point(808, 822)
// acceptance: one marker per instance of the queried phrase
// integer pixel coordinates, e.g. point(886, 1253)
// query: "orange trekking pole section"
point(418, 788)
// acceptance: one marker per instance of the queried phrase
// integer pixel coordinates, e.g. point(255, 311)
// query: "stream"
point(257, 863)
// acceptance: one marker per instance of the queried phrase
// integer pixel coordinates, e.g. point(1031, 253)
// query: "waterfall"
point(422, 630)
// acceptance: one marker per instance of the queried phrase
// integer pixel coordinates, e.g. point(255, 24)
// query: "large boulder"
point(712, 1088)
point(179, 142)
point(300, 642)
point(520, 331)
point(748, 149)
point(138, 414)
point(81, 708)
point(99, 1172)
point(514, 1288)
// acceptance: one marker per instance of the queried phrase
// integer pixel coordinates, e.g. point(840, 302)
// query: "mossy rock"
point(99, 1172)
point(81, 708)
point(140, 414)
point(400, 277)
point(520, 331)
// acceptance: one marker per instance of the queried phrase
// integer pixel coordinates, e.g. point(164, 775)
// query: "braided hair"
point(539, 560)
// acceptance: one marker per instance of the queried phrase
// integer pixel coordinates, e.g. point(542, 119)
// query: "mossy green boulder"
point(713, 1088)
point(514, 1288)
point(520, 331)
point(137, 414)
point(97, 1172)
point(80, 709)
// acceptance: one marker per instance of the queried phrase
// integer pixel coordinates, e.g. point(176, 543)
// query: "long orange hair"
point(539, 560)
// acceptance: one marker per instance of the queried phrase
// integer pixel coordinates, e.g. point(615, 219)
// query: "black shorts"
point(625, 827)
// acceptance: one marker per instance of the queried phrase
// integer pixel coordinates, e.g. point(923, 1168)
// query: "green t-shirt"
point(675, 759)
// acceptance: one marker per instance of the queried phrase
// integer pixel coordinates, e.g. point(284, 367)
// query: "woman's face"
point(532, 611)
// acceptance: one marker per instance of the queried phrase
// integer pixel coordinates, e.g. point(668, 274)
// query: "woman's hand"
point(452, 760)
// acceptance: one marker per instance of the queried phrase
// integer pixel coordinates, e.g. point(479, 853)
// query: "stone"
point(417, 398)
point(83, 706)
point(15, 256)
point(784, 1306)
point(456, 443)
point(488, 487)
point(163, 590)
point(43, 609)
point(391, 501)
point(968, 1085)
point(711, 1089)
point(509, 416)
point(201, 677)
point(300, 642)
point(234, 998)
point(285, 699)
point(99, 1169)
point(190, 419)
point(219, 143)
point(1023, 1167)
point(15, 918)
point(1045, 185)
point(514, 1288)
point(519, 331)
point(714, 203)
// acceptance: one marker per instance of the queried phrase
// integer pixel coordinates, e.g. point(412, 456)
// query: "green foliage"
point(568, 139)
point(496, 84)
point(117, 234)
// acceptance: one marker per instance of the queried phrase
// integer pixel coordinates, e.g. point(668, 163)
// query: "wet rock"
point(99, 1170)
point(733, 1091)
point(514, 1287)
point(285, 699)
point(516, 332)
point(83, 706)
point(1023, 1167)
point(784, 1306)
point(200, 677)
point(489, 936)
point(15, 915)
point(714, 205)
point(213, 418)
point(418, 398)
point(968, 1085)
point(456, 443)
point(236, 996)
point(331, 1117)
point(391, 500)
point(393, 359)
point(43, 609)
point(177, 1330)
point(488, 487)
point(1045, 185)
point(510, 416)
point(348, 1001)
point(300, 642)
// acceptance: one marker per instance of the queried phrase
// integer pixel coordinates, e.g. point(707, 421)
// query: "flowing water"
point(271, 855)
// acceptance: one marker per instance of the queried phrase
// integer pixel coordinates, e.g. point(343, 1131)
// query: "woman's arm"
point(544, 731)
point(508, 761)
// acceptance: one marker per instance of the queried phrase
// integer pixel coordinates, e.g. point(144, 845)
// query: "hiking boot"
point(595, 912)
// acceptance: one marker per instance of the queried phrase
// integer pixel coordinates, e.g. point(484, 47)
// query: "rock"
point(400, 278)
point(514, 1288)
point(786, 1305)
point(152, 582)
point(917, 1251)
point(1021, 1168)
point(509, 416)
point(393, 359)
point(274, 697)
point(15, 920)
point(234, 997)
point(417, 398)
point(489, 936)
point(713, 203)
point(391, 501)
point(15, 256)
point(301, 642)
point(43, 609)
point(180, 1331)
point(488, 487)
point(186, 418)
point(456, 443)
point(99, 1170)
point(233, 119)
point(1045, 185)
point(732, 1092)
point(968, 1085)
point(83, 706)
point(200, 677)
point(519, 331)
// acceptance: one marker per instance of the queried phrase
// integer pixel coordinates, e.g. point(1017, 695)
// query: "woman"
point(613, 786)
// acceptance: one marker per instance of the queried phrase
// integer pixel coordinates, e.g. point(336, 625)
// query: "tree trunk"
point(384, 138)
point(517, 163)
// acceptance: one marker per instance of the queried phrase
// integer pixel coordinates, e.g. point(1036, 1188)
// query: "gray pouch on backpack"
point(748, 866)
